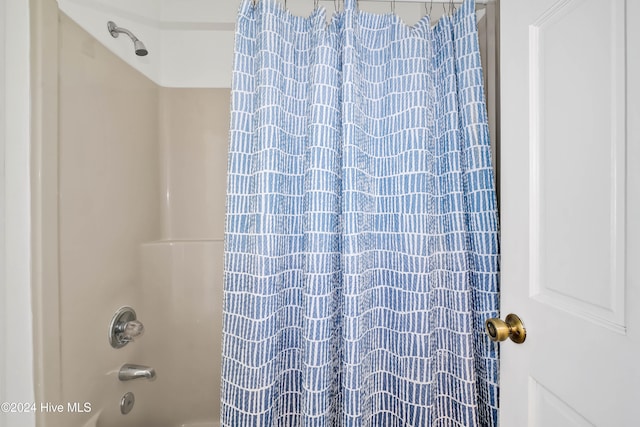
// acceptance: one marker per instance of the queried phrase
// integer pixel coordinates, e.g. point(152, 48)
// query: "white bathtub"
point(101, 419)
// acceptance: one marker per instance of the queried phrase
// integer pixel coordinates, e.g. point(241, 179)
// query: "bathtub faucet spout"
point(131, 372)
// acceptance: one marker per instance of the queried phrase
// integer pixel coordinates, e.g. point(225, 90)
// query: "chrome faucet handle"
point(130, 330)
point(124, 327)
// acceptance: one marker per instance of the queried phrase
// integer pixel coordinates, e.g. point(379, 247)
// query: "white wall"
point(2, 185)
point(191, 42)
point(16, 353)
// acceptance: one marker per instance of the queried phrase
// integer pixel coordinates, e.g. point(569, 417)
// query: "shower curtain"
point(361, 251)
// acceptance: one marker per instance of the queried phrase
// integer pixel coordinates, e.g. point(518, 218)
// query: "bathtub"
point(100, 419)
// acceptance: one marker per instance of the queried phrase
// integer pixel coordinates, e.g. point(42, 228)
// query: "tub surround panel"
point(124, 145)
point(108, 199)
point(194, 128)
point(186, 279)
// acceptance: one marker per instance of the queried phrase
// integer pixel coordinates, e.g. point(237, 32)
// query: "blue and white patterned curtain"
point(361, 253)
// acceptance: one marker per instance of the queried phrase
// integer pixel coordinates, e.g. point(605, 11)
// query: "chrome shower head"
point(115, 31)
point(141, 50)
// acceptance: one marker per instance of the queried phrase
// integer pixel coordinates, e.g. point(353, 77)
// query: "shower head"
point(141, 50)
point(115, 31)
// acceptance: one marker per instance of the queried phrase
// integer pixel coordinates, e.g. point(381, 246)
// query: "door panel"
point(548, 410)
point(577, 142)
point(569, 208)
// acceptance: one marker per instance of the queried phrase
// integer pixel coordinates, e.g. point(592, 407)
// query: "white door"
point(570, 211)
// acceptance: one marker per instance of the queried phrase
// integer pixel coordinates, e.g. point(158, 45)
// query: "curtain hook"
point(430, 9)
point(393, 6)
point(448, 7)
point(315, 4)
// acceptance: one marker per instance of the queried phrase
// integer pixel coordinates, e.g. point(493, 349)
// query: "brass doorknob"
point(512, 327)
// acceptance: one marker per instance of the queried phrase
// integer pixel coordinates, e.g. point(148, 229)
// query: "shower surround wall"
point(182, 272)
point(142, 173)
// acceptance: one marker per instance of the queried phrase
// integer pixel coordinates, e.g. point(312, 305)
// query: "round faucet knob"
point(131, 329)
point(124, 327)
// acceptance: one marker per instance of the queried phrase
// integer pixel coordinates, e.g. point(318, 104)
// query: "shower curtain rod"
point(425, 1)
